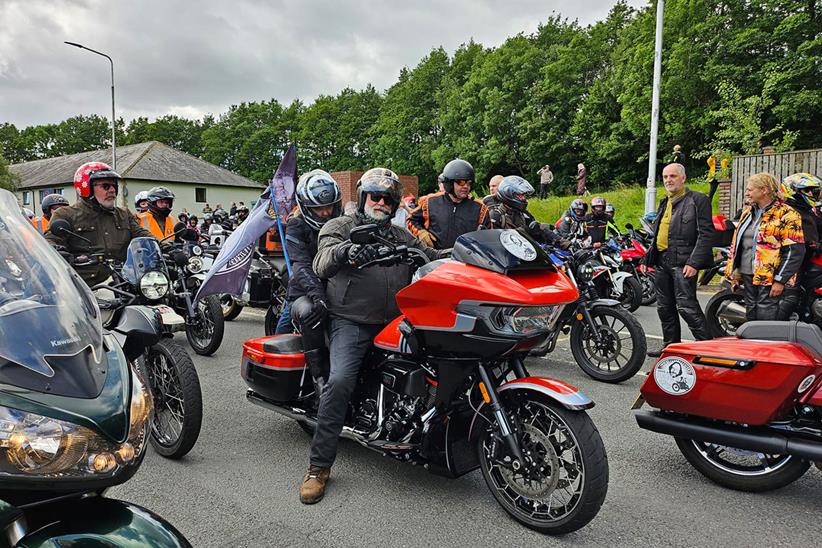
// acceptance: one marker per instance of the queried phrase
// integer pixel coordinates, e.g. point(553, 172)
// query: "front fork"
point(589, 319)
point(191, 313)
point(506, 431)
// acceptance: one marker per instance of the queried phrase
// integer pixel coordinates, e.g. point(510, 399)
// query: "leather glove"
point(359, 255)
point(426, 237)
point(317, 315)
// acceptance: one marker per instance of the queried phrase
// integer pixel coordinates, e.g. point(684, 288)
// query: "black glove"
point(359, 255)
point(317, 315)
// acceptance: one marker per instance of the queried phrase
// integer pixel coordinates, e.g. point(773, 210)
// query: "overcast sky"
point(193, 57)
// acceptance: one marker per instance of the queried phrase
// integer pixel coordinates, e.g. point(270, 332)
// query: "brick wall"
point(348, 184)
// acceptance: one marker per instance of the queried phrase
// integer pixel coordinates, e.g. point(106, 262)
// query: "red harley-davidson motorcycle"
point(445, 386)
point(745, 411)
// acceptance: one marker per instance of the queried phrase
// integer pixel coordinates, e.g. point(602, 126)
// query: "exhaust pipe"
point(761, 440)
point(733, 312)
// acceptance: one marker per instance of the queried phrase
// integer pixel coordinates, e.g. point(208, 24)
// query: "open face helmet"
point(50, 202)
point(89, 172)
point(379, 182)
point(456, 170)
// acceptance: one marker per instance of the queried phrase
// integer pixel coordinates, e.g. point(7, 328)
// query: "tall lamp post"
point(650, 191)
point(113, 122)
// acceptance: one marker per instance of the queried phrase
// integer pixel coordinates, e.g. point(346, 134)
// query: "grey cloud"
point(195, 57)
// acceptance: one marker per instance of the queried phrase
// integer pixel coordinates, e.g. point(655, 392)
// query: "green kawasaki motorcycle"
point(74, 414)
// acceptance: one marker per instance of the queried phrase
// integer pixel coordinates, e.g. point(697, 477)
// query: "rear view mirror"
point(363, 234)
point(61, 228)
point(629, 226)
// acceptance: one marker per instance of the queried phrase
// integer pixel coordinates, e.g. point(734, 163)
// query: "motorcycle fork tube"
point(518, 367)
point(186, 295)
point(586, 316)
point(502, 420)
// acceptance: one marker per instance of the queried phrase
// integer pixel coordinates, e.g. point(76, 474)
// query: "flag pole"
point(282, 239)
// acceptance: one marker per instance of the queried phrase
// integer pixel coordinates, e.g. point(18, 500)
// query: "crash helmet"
point(193, 218)
point(577, 205)
point(802, 188)
point(141, 196)
point(514, 191)
point(318, 189)
point(609, 210)
point(598, 202)
point(51, 201)
point(220, 216)
point(242, 212)
point(207, 218)
point(380, 181)
point(456, 170)
point(89, 172)
point(160, 193)
point(28, 213)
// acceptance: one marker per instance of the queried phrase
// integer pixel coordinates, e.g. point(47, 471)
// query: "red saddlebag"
point(274, 367)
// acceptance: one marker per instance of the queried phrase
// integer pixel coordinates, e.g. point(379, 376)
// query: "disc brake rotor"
point(607, 347)
point(544, 475)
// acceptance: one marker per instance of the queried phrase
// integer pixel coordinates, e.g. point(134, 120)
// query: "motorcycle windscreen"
point(52, 338)
point(143, 256)
point(500, 251)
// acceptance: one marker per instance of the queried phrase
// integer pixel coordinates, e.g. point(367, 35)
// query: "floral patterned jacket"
point(776, 257)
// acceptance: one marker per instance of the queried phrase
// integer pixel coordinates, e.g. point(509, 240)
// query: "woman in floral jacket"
point(765, 256)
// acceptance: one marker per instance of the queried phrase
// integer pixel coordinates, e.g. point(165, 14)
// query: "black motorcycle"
point(74, 414)
point(141, 284)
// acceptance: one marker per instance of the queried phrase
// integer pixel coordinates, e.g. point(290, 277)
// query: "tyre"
point(564, 487)
point(205, 332)
point(230, 307)
point(178, 402)
point(739, 469)
point(619, 353)
point(275, 309)
point(631, 298)
point(648, 289)
point(717, 319)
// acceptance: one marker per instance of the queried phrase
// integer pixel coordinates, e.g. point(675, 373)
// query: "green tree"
point(79, 134)
point(8, 180)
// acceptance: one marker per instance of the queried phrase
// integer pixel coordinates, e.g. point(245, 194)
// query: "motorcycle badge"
point(516, 245)
point(674, 375)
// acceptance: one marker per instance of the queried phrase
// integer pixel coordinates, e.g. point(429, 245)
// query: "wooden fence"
point(779, 165)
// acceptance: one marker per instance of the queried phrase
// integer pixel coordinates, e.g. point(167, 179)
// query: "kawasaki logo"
point(64, 342)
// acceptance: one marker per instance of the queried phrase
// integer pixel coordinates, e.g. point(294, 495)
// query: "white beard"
point(375, 213)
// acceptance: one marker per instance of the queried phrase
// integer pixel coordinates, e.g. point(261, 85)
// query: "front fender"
point(602, 302)
point(561, 392)
point(619, 280)
point(100, 521)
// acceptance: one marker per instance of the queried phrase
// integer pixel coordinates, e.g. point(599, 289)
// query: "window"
point(200, 195)
point(26, 197)
point(46, 191)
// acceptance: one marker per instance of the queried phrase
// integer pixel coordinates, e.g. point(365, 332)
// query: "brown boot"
point(313, 488)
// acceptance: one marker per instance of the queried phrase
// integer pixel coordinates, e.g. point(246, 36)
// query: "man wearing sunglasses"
point(360, 302)
point(95, 217)
point(443, 217)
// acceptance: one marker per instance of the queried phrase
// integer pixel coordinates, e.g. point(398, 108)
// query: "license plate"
point(168, 317)
point(638, 402)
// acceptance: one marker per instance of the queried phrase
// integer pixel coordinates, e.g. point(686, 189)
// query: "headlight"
point(196, 250)
point(154, 285)
point(531, 319)
point(513, 320)
point(195, 265)
point(585, 272)
point(36, 445)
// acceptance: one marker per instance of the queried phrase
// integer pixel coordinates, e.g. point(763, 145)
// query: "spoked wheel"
point(231, 309)
point(631, 298)
point(205, 332)
point(619, 350)
point(565, 479)
point(740, 469)
point(648, 289)
point(178, 404)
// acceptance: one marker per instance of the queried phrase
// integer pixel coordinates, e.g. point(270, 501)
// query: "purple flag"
point(230, 268)
point(284, 182)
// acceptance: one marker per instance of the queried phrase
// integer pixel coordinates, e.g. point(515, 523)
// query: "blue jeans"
point(284, 324)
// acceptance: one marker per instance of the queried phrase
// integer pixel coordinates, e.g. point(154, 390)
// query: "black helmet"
point(509, 190)
point(160, 193)
point(50, 201)
point(379, 180)
point(318, 189)
point(456, 170)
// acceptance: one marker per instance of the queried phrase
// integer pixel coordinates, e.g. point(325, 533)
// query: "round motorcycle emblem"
point(517, 246)
point(806, 383)
point(675, 376)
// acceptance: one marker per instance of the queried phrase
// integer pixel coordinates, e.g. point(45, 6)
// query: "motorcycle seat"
point(291, 343)
point(806, 334)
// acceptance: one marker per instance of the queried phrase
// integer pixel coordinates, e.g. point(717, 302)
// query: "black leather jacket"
point(690, 232)
point(301, 244)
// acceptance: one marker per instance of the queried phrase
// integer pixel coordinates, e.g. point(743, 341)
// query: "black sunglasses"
point(108, 186)
point(386, 198)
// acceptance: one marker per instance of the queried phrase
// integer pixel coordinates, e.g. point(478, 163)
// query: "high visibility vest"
point(41, 224)
point(148, 222)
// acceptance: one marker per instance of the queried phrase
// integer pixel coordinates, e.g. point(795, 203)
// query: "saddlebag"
point(274, 367)
point(744, 380)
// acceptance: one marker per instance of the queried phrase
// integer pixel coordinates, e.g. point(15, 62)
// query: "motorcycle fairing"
point(619, 280)
point(392, 339)
point(563, 393)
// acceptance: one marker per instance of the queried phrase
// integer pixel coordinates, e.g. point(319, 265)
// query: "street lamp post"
point(113, 120)
point(650, 191)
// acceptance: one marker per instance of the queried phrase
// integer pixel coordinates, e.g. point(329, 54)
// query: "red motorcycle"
point(745, 411)
point(445, 385)
point(633, 250)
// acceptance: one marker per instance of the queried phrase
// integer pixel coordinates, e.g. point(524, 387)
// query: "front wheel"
point(205, 331)
point(648, 288)
point(631, 297)
point(613, 353)
point(563, 484)
point(740, 469)
point(178, 402)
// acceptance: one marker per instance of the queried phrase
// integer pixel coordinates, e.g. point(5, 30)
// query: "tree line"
point(737, 75)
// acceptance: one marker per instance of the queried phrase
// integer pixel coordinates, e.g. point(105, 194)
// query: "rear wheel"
point(231, 309)
point(648, 289)
point(178, 403)
point(717, 318)
point(631, 298)
point(619, 350)
point(563, 485)
point(740, 469)
point(205, 332)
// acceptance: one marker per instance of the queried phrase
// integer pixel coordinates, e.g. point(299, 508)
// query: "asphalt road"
point(239, 486)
